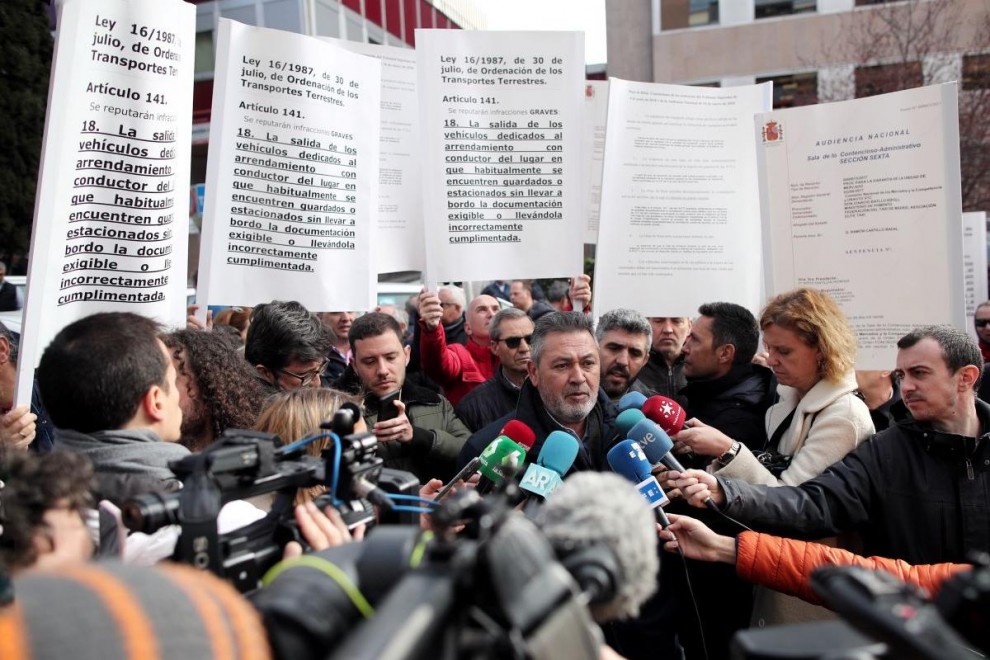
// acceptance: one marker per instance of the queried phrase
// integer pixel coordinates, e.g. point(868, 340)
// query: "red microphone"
point(665, 413)
point(519, 433)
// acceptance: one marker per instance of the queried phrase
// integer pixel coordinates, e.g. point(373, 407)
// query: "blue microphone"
point(628, 460)
point(626, 420)
point(631, 400)
point(556, 457)
point(656, 444)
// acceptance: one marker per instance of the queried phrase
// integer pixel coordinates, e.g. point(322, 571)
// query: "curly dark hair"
point(32, 485)
point(230, 396)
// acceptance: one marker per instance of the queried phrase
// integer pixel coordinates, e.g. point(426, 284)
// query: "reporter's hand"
point(394, 430)
point(17, 427)
point(321, 529)
point(430, 309)
point(696, 540)
point(667, 479)
point(703, 440)
point(697, 486)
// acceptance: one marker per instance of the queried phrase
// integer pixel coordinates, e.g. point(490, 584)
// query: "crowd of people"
point(791, 440)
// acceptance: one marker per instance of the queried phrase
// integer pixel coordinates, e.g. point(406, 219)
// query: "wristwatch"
point(729, 454)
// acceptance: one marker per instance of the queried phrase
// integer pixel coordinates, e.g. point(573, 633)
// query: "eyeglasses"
point(306, 378)
point(981, 323)
point(513, 342)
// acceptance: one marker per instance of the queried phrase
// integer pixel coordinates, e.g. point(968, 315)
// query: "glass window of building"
point(204, 58)
point(792, 90)
point(976, 72)
point(678, 14)
point(883, 78)
point(771, 8)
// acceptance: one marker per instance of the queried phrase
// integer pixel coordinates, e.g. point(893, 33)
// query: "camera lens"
point(150, 512)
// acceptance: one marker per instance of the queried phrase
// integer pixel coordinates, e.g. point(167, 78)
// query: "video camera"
point(494, 590)
point(884, 618)
point(243, 464)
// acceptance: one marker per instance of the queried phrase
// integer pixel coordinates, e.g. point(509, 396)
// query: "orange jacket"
point(785, 565)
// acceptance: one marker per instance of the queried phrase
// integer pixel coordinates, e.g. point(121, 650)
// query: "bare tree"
point(901, 45)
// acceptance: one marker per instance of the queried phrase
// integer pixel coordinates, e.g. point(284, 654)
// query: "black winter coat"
point(913, 493)
point(598, 437)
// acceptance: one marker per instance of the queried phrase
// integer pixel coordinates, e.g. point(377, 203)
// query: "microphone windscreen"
point(627, 459)
point(558, 452)
point(667, 413)
point(626, 420)
point(501, 452)
point(519, 432)
point(596, 508)
point(631, 400)
point(654, 442)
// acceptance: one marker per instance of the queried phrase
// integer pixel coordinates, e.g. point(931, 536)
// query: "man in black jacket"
point(919, 491)
point(727, 395)
point(511, 335)
point(561, 393)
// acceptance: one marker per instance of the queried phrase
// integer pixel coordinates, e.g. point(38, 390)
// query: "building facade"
point(815, 50)
point(386, 22)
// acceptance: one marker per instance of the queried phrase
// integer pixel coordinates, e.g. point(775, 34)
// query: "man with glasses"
point(287, 345)
point(511, 334)
point(416, 428)
point(457, 368)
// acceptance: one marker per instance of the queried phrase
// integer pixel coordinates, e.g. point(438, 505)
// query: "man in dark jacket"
point(420, 434)
point(624, 339)
point(727, 395)
point(510, 334)
point(561, 393)
point(726, 399)
point(919, 491)
point(110, 387)
point(664, 371)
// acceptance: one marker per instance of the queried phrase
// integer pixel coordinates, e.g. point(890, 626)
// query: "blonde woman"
point(295, 414)
point(817, 421)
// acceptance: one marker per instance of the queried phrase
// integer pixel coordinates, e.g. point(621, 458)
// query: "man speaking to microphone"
point(561, 392)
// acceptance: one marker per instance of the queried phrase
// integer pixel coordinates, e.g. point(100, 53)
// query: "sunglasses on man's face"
point(513, 342)
point(981, 323)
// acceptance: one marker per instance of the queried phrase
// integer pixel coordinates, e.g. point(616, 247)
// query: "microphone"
point(497, 456)
point(544, 477)
point(666, 413)
point(626, 420)
point(655, 444)
point(519, 433)
point(628, 460)
point(604, 535)
point(631, 400)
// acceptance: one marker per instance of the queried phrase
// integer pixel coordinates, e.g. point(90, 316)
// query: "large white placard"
point(974, 264)
point(110, 225)
point(595, 116)
point(680, 217)
point(292, 178)
point(502, 122)
point(862, 199)
point(399, 243)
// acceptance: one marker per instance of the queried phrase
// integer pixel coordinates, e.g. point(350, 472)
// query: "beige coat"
point(828, 423)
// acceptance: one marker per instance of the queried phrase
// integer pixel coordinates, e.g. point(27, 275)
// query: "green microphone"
point(500, 458)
